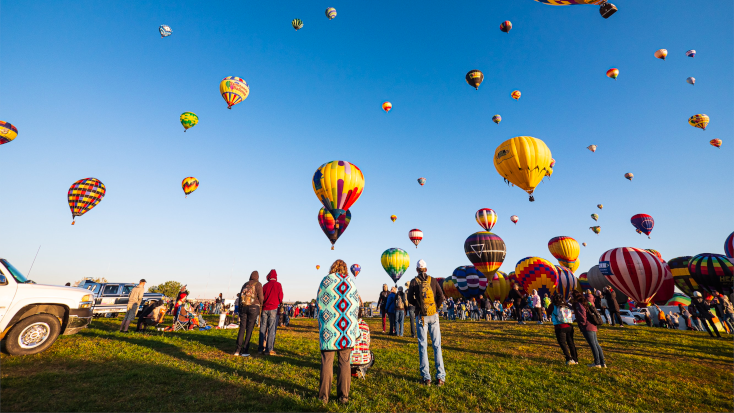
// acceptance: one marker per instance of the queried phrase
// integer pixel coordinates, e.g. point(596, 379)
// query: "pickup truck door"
point(109, 295)
point(8, 287)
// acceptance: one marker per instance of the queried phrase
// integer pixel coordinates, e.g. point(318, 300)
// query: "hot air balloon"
point(386, 106)
point(679, 298)
point(666, 290)
point(486, 218)
point(682, 276)
point(655, 253)
point(84, 195)
point(691, 53)
point(470, 281)
point(534, 273)
point(395, 261)
point(8, 132)
point(592, 148)
point(716, 142)
point(355, 269)
point(318, 267)
point(338, 185)
point(416, 236)
point(189, 120)
point(328, 224)
point(643, 222)
point(474, 78)
point(691, 80)
point(523, 161)
point(629, 176)
point(613, 73)
point(515, 94)
point(595, 217)
point(165, 30)
point(486, 251)
point(583, 243)
point(297, 24)
point(552, 163)
point(189, 185)
point(331, 13)
point(450, 289)
point(699, 121)
point(606, 9)
point(422, 181)
point(635, 272)
point(499, 288)
point(584, 282)
point(565, 250)
point(497, 119)
point(598, 281)
point(600, 206)
point(729, 246)
point(393, 218)
point(661, 53)
point(514, 219)
point(234, 90)
point(713, 273)
point(566, 282)
point(506, 26)
point(596, 229)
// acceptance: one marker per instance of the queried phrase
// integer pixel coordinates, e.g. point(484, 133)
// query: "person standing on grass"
point(562, 319)
point(338, 302)
point(703, 313)
point(537, 306)
point(488, 308)
point(516, 298)
point(251, 300)
point(602, 306)
point(451, 307)
point(718, 307)
point(400, 304)
point(588, 319)
point(427, 296)
point(613, 305)
point(411, 313)
point(728, 311)
point(133, 302)
point(662, 322)
point(272, 298)
point(382, 304)
point(499, 310)
point(390, 308)
point(686, 316)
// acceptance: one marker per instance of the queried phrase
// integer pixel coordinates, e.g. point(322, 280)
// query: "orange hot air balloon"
point(613, 73)
point(386, 106)
point(716, 142)
point(393, 218)
point(318, 266)
point(661, 53)
point(516, 94)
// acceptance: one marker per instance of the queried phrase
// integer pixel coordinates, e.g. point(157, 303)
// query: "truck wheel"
point(32, 335)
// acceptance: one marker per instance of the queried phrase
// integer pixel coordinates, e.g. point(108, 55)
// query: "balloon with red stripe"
point(584, 282)
point(486, 218)
point(729, 246)
point(566, 282)
point(666, 290)
point(635, 272)
point(534, 273)
point(416, 236)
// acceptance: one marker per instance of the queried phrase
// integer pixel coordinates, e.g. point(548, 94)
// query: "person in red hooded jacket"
point(272, 298)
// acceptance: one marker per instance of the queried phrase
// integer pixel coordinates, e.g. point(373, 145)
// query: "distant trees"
point(97, 280)
point(169, 288)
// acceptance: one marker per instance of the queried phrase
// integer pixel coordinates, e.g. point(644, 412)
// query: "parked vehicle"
point(32, 316)
point(631, 318)
point(111, 298)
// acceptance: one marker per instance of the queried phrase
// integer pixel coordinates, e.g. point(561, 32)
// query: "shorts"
point(130, 315)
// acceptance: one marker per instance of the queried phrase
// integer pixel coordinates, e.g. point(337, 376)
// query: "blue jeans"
point(452, 315)
point(591, 338)
point(696, 323)
point(399, 322)
point(268, 327)
point(431, 326)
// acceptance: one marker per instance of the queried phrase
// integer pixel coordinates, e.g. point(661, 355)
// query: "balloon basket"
point(72, 222)
point(332, 248)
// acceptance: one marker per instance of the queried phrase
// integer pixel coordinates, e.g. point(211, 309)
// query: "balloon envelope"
point(395, 261)
point(474, 78)
point(416, 236)
point(713, 272)
point(355, 269)
point(486, 218)
point(331, 13)
point(635, 272)
point(297, 24)
point(679, 298)
point(450, 288)
point(338, 185)
point(564, 248)
point(523, 161)
point(682, 276)
point(643, 222)
point(584, 282)
point(534, 273)
point(328, 224)
point(506, 26)
point(514, 219)
point(486, 251)
point(613, 73)
point(497, 119)
point(666, 290)
point(188, 120)
point(471, 282)
point(716, 142)
point(84, 195)
point(386, 106)
point(691, 53)
point(661, 53)
point(566, 282)
point(516, 94)
point(234, 90)
point(729, 246)
point(189, 185)
point(422, 181)
point(592, 148)
point(691, 80)
point(165, 30)
point(8, 132)
point(499, 288)
point(699, 121)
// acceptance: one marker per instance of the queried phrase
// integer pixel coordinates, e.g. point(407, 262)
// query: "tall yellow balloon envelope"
point(661, 54)
point(699, 121)
point(523, 161)
point(338, 185)
point(234, 90)
point(499, 288)
point(565, 249)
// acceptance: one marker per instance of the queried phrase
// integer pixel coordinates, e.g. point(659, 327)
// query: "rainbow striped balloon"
point(566, 282)
point(486, 218)
point(679, 298)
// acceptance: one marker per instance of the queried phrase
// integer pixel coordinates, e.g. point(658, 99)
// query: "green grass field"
point(491, 366)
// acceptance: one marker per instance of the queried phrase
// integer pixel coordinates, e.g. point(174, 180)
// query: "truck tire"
point(32, 335)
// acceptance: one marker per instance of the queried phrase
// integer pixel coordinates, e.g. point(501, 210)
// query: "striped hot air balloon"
point(566, 282)
point(584, 282)
point(716, 142)
point(486, 251)
point(84, 195)
point(338, 185)
point(189, 185)
point(234, 90)
point(534, 273)
point(729, 246)
point(682, 276)
point(486, 218)
point(635, 272)
point(566, 250)
point(506, 26)
point(297, 24)
point(699, 121)
point(470, 281)
point(497, 119)
point(655, 253)
point(416, 236)
point(450, 287)
point(330, 13)
point(613, 73)
point(499, 288)
point(679, 298)
point(713, 272)
point(386, 106)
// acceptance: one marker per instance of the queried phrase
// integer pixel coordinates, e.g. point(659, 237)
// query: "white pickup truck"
point(33, 315)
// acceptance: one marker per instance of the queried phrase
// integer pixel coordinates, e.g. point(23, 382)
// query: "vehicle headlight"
point(87, 301)
point(88, 297)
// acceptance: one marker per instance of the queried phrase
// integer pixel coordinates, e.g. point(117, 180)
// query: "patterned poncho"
point(338, 302)
point(361, 353)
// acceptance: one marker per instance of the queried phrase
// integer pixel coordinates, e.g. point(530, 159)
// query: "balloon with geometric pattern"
point(84, 195)
point(234, 90)
point(422, 181)
point(699, 121)
point(571, 265)
point(8, 132)
point(713, 272)
point(189, 185)
point(470, 281)
point(393, 218)
point(486, 218)
point(189, 120)
point(475, 78)
point(328, 224)
point(534, 273)
point(682, 276)
point(486, 251)
point(355, 269)
point(566, 282)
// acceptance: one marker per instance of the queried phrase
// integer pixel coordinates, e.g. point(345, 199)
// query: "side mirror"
point(3, 280)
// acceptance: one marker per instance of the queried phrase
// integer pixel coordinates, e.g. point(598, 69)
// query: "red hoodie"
point(272, 292)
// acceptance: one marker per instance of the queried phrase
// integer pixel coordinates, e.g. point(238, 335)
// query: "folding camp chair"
point(184, 320)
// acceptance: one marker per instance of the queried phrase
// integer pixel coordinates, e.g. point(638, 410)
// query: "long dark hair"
point(558, 300)
point(579, 298)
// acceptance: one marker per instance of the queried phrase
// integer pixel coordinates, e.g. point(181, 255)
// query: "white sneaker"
point(245, 355)
point(594, 365)
point(236, 353)
point(570, 362)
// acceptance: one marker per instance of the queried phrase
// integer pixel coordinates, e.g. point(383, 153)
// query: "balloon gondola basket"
point(607, 9)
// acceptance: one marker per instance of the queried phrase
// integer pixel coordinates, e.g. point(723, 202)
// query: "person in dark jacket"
point(516, 297)
point(613, 306)
point(686, 316)
point(427, 297)
point(382, 304)
point(523, 305)
point(401, 303)
point(488, 308)
point(390, 309)
point(411, 313)
point(150, 318)
point(272, 298)
point(718, 307)
point(702, 312)
point(251, 300)
point(560, 315)
point(582, 307)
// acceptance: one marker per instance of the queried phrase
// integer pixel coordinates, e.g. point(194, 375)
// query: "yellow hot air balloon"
point(699, 121)
point(499, 288)
point(393, 218)
point(234, 90)
point(661, 53)
point(566, 250)
point(523, 161)
point(338, 185)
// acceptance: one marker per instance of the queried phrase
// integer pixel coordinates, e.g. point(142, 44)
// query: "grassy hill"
point(491, 366)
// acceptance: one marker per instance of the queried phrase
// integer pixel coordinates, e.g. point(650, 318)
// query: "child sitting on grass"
point(362, 358)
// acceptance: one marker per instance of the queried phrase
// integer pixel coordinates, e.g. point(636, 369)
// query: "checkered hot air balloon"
point(713, 273)
point(682, 276)
point(643, 223)
point(699, 121)
point(470, 281)
point(635, 272)
point(486, 251)
point(84, 195)
point(486, 218)
point(566, 282)
point(355, 269)
point(234, 90)
point(416, 236)
point(534, 273)
point(475, 78)
point(8, 132)
point(328, 224)
point(189, 185)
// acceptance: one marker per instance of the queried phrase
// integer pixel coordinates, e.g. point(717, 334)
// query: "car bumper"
point(78, 319)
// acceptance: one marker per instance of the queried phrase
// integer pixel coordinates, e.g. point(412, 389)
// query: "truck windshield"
point(19, 277)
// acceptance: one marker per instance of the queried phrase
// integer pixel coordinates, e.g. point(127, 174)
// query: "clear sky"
point(96, 92)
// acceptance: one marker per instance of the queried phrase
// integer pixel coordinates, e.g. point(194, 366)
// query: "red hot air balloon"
point(416, 236)
point(666, 290)
point(506, 26)
point(514, 219)
point(635, 272)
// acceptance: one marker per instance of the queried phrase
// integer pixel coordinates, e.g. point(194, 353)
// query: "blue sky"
point(96, 92)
